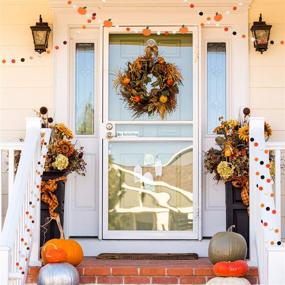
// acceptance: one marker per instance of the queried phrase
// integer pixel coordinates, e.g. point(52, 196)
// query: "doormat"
point(148, 256)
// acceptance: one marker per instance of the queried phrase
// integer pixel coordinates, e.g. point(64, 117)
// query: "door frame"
point(196, 123)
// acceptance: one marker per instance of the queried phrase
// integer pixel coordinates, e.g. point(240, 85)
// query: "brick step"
point(94, 271)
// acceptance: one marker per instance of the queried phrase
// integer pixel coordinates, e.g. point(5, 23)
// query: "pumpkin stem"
point(57, 219)
point(230, 229)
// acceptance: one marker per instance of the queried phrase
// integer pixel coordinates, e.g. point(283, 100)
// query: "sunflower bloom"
point(65, 147)
point(243, 133)
point(64, 130)
point(225, 170)
point(267, 130)
point(232, 123)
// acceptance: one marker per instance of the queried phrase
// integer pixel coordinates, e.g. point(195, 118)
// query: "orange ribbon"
point(47, 194)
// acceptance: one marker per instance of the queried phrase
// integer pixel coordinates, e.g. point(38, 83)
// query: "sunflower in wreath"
point(149, 70)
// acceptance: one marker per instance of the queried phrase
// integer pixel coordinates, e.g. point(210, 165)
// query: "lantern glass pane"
point(40, 37)
point(261, 36)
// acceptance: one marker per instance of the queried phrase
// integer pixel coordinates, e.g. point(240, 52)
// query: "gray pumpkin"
point(227, 246)
point(58, 274)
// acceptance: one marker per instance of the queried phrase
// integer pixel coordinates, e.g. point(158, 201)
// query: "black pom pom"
point(43, 110)
point(252, 139)
point(246, 111)
point(50, 119)
point(22, 59)
point(262, 176)
point(234, 33)
point(201, 13)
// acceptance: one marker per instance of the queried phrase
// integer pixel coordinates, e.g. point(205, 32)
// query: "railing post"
point(33, 122)
point(254, 125)
point(4, 261)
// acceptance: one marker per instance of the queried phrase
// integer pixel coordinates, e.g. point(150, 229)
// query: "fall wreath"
point(149, 84)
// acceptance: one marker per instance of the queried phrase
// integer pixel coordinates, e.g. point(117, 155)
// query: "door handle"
point(109, 135)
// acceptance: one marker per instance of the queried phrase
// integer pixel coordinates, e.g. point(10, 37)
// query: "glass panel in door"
point(150, 164)
point(150, 186)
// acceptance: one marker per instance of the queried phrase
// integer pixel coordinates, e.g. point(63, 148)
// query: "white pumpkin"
point(228, 281)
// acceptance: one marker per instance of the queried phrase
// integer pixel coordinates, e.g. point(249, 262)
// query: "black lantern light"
point(40, 33)
point(261, 33)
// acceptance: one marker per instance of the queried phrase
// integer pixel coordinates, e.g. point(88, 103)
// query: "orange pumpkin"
point(72, 249)
point(237, 268)
point(126, 80)
point(163, 99)
point(183, 30)
point(169, 82)
point(55, 255)
point(108, 23)
point(218, 17)
point(146, 32)
point(137, 99)
point(160, 60)
point(82, 10)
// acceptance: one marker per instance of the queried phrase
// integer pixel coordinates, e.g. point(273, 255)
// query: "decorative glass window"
point(84, 89)
point(216, 85)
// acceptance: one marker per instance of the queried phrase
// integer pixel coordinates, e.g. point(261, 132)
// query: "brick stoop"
point(95, 271)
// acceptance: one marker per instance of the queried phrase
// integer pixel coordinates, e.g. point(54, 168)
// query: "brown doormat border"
point(148, 256)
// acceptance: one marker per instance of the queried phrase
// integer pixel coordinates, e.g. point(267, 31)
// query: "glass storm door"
point(150, 166)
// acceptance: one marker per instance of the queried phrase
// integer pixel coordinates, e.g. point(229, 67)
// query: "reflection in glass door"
point(150, 166)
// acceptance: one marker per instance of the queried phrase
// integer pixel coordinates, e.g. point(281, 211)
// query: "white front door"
point(150, 166)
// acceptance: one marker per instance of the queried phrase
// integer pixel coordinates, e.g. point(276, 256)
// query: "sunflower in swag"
point(243, 133)
point(65, 147)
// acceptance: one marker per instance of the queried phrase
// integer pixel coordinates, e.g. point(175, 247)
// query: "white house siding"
point(23, 86)
point(267, 74)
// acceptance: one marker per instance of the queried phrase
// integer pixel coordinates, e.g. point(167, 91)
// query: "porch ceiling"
point(153, 3)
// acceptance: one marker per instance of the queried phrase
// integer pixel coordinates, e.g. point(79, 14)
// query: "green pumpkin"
point(228, 281)
point(227, 246)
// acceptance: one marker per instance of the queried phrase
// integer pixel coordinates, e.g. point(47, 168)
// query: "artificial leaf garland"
point(132, 84)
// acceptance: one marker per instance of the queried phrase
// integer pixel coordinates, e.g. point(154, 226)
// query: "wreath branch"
point(132, 84)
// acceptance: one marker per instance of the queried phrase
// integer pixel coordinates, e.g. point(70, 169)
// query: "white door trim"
point(196, 233)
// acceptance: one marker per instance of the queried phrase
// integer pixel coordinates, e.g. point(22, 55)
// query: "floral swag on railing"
point(229, 161)
point(63, 158)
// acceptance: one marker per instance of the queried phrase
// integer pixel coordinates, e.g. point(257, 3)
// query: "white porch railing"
point(22, 217)
point(265, 207)
point(7, 169)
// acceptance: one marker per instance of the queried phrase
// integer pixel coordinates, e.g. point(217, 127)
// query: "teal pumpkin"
point(227, 246)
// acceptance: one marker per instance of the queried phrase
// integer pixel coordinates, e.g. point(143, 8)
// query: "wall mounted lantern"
point(41, 33)
point(261, 34)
